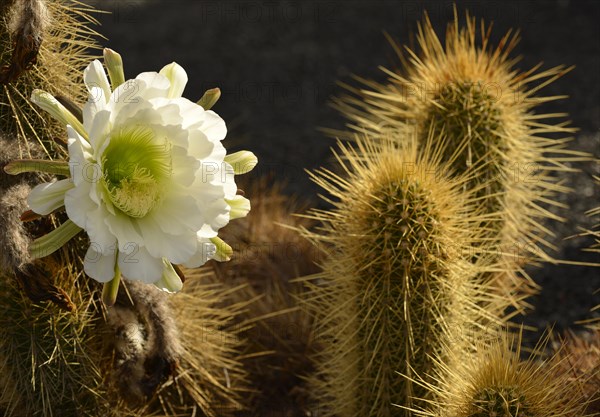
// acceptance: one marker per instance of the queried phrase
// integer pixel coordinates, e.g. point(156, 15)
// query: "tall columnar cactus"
point(470, 92)
point(397, 281)
point(43, 45)
point(495, 381)
point(47, 352)
point(147, 355)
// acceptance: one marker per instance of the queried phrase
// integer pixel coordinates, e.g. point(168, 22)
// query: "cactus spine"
point(269, 254)
point(209, 379)
point(494, 381)
point(43, 44)
point(470, 93)
point(580, 357)
point(397, 282)
point(48, 355)
point(72, 358)
point(595, 213)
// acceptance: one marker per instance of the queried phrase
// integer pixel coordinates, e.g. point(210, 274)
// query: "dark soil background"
point(277, 64)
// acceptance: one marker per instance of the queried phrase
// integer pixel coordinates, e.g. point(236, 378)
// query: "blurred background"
point(278, 62)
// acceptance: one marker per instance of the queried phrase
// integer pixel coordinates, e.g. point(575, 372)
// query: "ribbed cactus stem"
point(396, 284)
point(468, 92)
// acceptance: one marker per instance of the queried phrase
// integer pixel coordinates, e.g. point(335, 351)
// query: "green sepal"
point(20, 166)
point(71, 106)
point(51, 242)
point(114, 66)
point(210, 98)
point(242, 161)
point(224, 251)
point(58, 111)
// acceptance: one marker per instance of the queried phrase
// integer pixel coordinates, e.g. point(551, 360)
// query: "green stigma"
point(136, 166)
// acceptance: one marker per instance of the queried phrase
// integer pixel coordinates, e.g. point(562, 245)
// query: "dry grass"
point(268, 255)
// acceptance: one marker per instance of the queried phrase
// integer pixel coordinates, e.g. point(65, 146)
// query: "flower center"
point(136, 167)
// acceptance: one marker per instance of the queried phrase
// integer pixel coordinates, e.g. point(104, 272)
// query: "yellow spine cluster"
point(495, 380)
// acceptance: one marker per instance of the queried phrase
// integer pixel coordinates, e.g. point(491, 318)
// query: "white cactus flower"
point(149, 179)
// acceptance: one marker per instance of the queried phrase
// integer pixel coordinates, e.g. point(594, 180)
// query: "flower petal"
point(206, 250)
point(52, 106)
point(213, 126)
point(123, 228)
point(207, 231)
point(176, 248)
point(177, 77)
point(100, 235)
point(124, 95)
point(47, 197)
point(153, 85)
point(78, 204)
point(184, 166)
point(96, 102)
point(80, 155)
point(95, 77)
point(98, 266)
point(242, 161)
point(240, 207)
point(215, 213)
point(199, 145)
point(129, 110)
point(165, 111)
point(137, 264)
point(177, 214)
point(169, 281)
point(228, 179)
point(100, 132)
point(192, 114)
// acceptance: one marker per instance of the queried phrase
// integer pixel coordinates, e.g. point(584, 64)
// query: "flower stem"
point(111, 288)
